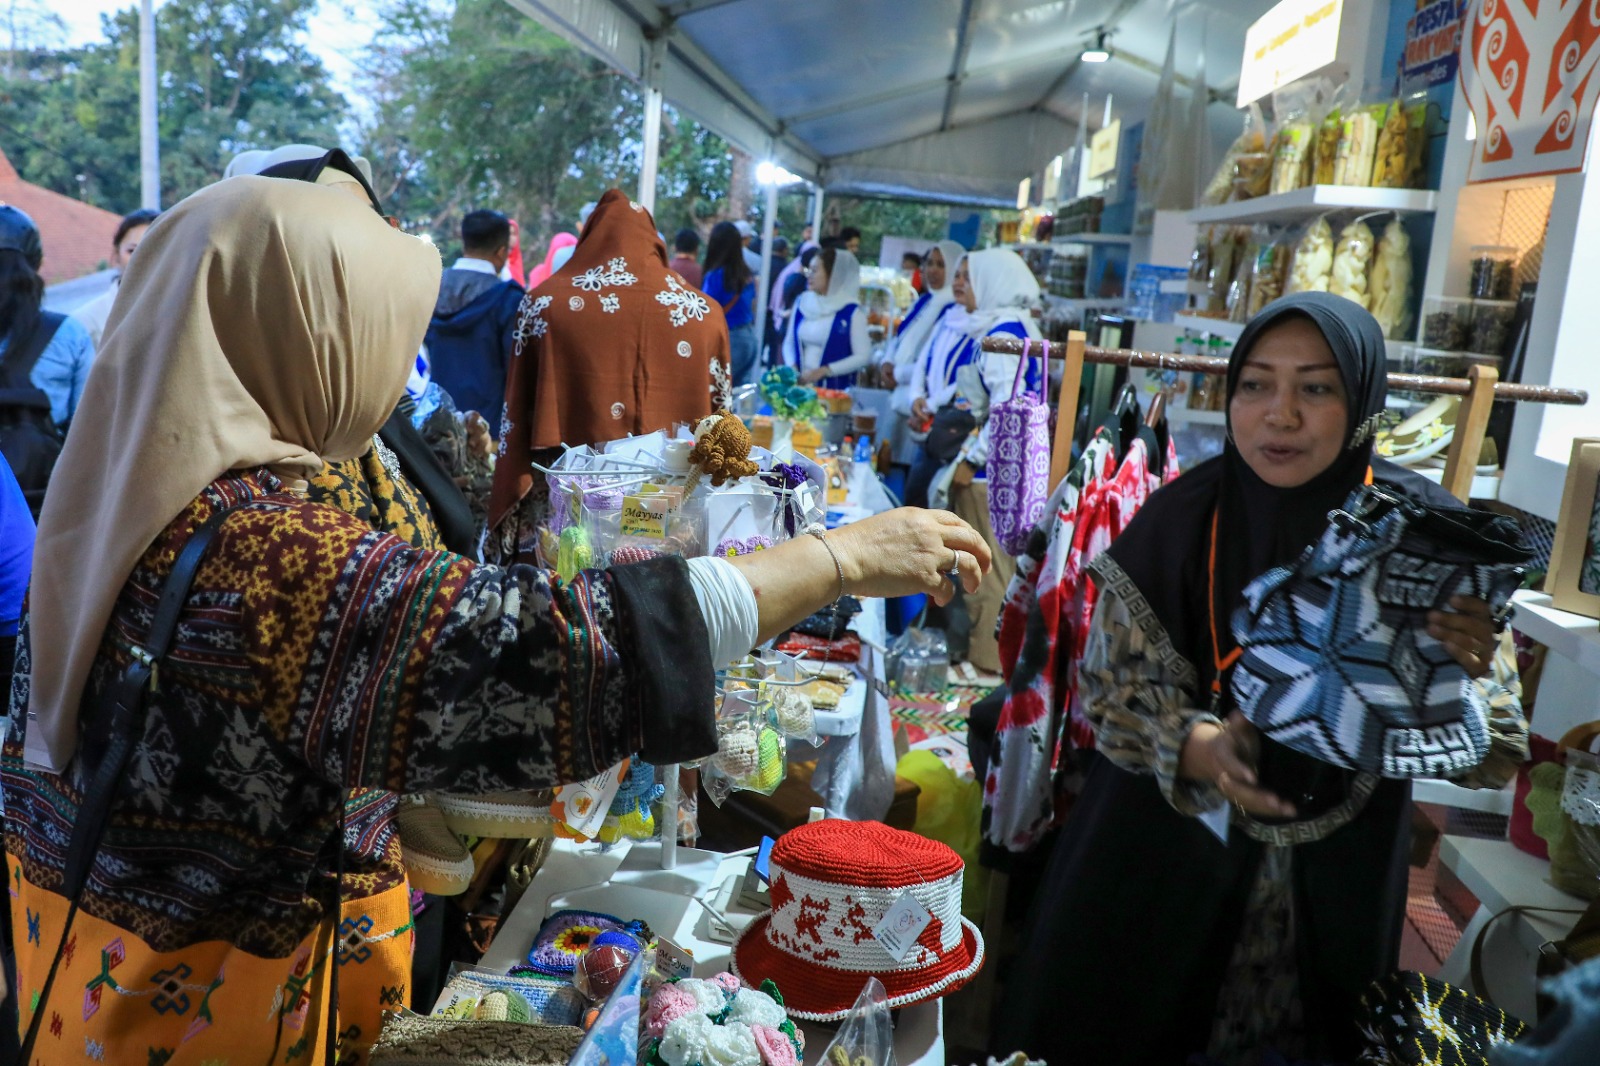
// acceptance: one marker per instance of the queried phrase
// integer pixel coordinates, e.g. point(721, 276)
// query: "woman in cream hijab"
point(827, 339)
point(265, 328)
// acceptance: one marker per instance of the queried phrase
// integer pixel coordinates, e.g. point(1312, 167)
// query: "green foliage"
point(234, 75)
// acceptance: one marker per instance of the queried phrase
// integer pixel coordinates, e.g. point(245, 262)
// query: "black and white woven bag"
point(1337, 662)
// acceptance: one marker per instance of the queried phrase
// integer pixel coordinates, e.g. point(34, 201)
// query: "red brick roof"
point(77, 236)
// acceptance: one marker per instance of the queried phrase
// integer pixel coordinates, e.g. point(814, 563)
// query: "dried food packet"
point(1266, 277)
point(1200, 257)
point(1416, 141)
point(1390, 167)
point(1390, 284)
point(1313, 259)
point(1224, 259)
point(1358, 145)
point(1239, 288)
point(1352, 262)
point(1252, 139)
point(1326, 150)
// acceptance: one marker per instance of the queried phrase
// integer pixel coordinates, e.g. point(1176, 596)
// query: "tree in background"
point(235, 74)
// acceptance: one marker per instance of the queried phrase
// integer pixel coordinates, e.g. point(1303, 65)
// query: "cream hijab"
point(844, 287)
point(263, 323)
point(913, 336)
point(1005, 290)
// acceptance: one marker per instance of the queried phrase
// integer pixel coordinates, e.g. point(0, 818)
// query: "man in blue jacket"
point(470, 338)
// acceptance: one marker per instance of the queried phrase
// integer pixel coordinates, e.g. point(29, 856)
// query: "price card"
point(901, 925)
point(673, 962)
point(583, 806)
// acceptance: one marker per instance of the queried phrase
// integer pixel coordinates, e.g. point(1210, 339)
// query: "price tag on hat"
point(901, 925)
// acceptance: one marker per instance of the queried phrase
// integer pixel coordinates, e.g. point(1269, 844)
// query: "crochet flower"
point(730, 984)
point(756, 1008)
point(775, 1047)
point(684, 1042)
point(781, 375)
point(731, 1045)
point(668, 1005)
point(799, 397)
point(709, 998)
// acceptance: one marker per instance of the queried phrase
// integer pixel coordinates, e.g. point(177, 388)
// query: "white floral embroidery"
point(576, 303)
point(610, 304)
point(617, 410)
point(531, 323)
point(505, 427)
point(721, 386)
point(683, 303)
point(614, 274)
point(685, 349)
point(636, 205)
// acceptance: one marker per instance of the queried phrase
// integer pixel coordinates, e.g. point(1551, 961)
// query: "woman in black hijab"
point(1153, 941)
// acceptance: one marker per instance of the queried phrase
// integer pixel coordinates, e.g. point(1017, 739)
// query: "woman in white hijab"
point(827, 339)
point(994, 293)
point(904, 352)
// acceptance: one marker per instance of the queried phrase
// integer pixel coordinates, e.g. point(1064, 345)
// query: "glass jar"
point(1491, 326)
point(1446, 322)
point(1493, 268)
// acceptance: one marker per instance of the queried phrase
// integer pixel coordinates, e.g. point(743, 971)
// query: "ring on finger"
point(954, 572)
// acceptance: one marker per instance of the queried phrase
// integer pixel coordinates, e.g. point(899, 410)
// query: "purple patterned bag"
point(1019, 461)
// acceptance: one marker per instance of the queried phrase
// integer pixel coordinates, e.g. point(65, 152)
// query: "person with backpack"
point(729, 282)
point(44, 360)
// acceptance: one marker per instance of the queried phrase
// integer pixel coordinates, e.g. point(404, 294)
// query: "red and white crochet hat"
point(831, 884)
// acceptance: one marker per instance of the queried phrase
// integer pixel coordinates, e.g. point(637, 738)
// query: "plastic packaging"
point(1352, 261)
point(1295, 110)
point(1266, 277)
point(1493, 269)
point(1239, 289)
point(866, 1036)
point(1491, 326)
point(1225, 251)
point(1200, 257)
point(1391, 167)
point(752, 755)
point(1252, 175)
point(1358, 144)
point(1251, 140)
point(1390, 283)
point(1446, 321)
point(920, 660)
point(1326, 153)
point(1313, 260)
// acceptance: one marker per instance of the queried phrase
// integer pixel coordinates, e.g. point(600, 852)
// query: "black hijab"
point(452, 514)
point(1165, 548)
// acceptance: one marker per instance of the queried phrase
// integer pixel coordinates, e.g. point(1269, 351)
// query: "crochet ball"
point(601, 970)
point(770, 772)
point(617, 938)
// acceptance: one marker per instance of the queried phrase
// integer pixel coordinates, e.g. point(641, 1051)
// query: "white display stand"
point(628, 881)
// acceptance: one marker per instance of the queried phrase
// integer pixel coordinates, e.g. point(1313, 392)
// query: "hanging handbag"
point(1019, 462)
point(1337, 662)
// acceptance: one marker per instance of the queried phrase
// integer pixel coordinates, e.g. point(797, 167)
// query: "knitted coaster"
point(564, 937)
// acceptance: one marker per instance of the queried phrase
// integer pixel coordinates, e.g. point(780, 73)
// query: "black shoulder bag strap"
point(119, 720)
point(17, 366)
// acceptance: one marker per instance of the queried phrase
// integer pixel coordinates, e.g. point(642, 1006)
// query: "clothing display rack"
point(1482, 388)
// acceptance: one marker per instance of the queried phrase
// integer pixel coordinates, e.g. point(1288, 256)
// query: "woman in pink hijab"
point(561, 246)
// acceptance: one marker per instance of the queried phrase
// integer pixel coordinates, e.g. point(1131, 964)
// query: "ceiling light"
point(1098, 52)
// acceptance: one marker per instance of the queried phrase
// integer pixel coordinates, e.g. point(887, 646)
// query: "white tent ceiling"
point(942, 99)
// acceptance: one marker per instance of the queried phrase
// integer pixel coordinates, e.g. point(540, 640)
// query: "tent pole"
point(651, 155)
point(816, 215)
point(768, 226)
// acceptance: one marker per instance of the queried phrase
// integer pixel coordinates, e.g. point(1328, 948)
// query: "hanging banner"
point(1103, 150)
point(1433, 44)
point(1528, 71)
point(1294, 39)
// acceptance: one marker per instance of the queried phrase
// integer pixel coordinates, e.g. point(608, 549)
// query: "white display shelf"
point(1314, 200)
point(1446, 794)
point(1217, 327)
point(1185, 287)
point(1500, 876)
point(1572, 636)
point(1094, 238)
point(1484, 486)
point(1027, 246)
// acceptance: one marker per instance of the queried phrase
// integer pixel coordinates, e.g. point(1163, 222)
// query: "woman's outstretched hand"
point(908, 551)
point(1224, 756)
point(1467, 632)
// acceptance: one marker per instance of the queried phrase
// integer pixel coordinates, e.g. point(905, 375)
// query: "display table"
point(1500, 876)
point(628, 881)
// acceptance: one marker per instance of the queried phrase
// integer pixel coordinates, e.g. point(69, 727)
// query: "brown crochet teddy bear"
point(721, 450)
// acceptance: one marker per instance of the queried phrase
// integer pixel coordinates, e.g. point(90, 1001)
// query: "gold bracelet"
point(820, 532)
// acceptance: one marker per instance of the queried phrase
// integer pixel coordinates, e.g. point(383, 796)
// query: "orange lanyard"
point(1224, 662)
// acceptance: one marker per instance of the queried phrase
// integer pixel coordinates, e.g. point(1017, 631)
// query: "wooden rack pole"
point(1066, 403)
point(1471, 424)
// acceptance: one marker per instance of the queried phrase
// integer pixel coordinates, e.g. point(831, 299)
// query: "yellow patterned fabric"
point(373, 489)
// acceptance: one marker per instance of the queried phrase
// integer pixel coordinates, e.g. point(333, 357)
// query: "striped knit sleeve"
point(1138, 692)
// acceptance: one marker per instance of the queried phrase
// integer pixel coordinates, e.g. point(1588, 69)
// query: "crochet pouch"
point(1337, 661)
point(1018, 469)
